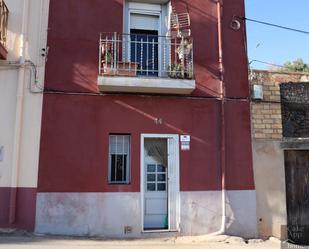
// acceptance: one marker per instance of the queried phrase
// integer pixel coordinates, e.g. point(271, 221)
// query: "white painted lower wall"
point(102, 214)
point(107, 214)
point(201, 213)
point(241, 213)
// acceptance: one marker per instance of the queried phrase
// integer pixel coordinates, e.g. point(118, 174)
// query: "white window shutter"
point(119, 144)
point(144, 22)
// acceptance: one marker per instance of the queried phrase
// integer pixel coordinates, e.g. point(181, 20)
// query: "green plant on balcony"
point(175, 71)
point(119, 68)
point(107, 57)
point(178, 71)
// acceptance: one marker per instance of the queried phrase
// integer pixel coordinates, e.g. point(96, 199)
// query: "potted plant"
point(119, 68)
point(107, 62)
point(177, 71)
point(127, 68)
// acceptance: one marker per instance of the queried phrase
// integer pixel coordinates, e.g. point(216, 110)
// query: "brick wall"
point(266, 114)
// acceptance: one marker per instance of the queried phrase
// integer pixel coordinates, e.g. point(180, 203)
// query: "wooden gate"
point(297, 195)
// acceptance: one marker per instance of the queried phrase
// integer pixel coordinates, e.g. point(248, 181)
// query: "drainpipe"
point(222, 115)
point(18, 116)
point(223, 133)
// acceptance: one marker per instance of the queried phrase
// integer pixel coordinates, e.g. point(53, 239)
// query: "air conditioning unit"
point(257, 93)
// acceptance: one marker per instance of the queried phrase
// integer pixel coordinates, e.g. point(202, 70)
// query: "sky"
point(274, 45)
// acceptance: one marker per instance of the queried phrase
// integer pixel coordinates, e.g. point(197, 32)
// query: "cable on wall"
point(273, 25)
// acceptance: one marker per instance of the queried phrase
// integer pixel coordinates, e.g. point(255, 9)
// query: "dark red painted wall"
point(203, 16)
point(73, 39)
point(25, 208)
point(234, 51)
point(73, 36)
point(238, 143)
point(74, 143)
point(75, 128)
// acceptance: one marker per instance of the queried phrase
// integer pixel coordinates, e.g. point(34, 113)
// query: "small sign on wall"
point(185, 142)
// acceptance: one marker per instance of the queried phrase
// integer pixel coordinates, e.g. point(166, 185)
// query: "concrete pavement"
point(200, 242)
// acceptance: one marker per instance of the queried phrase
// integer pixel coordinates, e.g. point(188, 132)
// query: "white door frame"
point(147, 9)
point(175, 137)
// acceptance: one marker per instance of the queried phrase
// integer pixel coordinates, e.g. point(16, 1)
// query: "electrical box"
point(257, 92)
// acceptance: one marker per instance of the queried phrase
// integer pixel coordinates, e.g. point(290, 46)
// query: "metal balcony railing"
point(145, 55)
point(4, 14)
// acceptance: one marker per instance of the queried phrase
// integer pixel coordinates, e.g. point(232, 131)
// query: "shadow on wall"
point(73, 36)
point(201, 213)
point(155, 119)
point(204, 32)
point(241, 213)
point(73, 56)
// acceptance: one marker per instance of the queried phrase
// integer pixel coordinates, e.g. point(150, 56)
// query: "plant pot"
point(128, 69)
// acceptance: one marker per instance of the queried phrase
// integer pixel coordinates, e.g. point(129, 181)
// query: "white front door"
point(155, 184)
point(160, 191)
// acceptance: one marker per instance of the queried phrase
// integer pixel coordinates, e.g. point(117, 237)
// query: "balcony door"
point(146, 23)
point(144, 51)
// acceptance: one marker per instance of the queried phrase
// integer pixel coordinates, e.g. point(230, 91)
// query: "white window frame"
point(148, 9)
point(128, 160)
point(143, 9)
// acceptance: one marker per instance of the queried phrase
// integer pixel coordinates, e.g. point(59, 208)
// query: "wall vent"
point(127, 229)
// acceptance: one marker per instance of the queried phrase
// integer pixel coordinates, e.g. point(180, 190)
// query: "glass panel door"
point(155, 182)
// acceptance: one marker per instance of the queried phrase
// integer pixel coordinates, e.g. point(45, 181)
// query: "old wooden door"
point(297, 193)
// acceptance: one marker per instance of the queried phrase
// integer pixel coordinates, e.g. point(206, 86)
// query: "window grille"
point(119, 159)
point(295, 109)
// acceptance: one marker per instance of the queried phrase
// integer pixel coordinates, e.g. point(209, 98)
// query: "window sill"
point(119, 183)
point(145, 85)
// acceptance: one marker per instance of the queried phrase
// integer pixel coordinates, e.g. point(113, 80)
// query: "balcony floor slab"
point(145, 85)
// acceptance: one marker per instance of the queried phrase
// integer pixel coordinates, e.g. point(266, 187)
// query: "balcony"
point(4, 13)
point(145, 63)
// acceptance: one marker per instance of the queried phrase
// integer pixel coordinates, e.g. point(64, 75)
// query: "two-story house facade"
point(145, 120)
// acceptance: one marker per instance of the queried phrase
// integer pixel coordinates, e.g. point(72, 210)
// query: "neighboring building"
point(22, 38)
point(145, 121)
point(280, 144)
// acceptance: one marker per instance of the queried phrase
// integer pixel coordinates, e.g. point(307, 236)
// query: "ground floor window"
point(119, 159)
